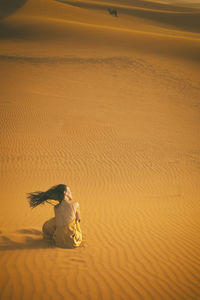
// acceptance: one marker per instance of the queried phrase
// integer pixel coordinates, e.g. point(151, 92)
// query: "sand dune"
point(178, 17)
point(109, 106)
point(7, 8)
point(79, 28)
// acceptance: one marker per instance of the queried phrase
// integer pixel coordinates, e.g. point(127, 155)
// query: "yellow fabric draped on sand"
point(68, 236)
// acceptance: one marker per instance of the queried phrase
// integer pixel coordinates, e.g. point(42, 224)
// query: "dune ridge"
point(178, 17)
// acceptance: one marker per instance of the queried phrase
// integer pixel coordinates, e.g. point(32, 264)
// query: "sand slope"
point(135, 28)
point(110, 106)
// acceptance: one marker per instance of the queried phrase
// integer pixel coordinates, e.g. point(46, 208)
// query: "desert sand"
point(109, 106)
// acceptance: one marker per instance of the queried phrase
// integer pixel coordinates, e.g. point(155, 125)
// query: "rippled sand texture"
point(110, 106)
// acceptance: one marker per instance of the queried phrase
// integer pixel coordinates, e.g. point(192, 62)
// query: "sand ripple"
point(109, 106)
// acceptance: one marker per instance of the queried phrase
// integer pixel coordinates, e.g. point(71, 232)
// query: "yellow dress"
point(68, 236)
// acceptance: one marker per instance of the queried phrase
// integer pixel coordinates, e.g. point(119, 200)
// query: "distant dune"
point(103, 96)
point(176, 17)
point(153, 29)
point(8, 8)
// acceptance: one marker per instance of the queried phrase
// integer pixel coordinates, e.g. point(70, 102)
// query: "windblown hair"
point(55, 193)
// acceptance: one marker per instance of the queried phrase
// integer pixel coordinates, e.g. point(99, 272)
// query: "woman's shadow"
point(24, 239)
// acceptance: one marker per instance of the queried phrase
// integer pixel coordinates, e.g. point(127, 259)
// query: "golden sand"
point(109, 106)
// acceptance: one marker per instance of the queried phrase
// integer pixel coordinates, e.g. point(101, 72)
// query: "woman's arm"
point(78, 215)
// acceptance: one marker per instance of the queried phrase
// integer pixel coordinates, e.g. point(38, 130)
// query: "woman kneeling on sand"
point(64, 229)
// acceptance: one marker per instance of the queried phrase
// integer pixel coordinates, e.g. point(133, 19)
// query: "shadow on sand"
point(24, 239)
point(9, 7)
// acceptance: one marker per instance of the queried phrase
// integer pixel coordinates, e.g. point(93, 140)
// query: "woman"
point(64, 229)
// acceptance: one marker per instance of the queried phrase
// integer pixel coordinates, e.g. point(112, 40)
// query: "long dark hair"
point(56, 193)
